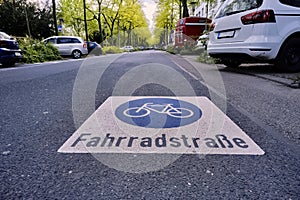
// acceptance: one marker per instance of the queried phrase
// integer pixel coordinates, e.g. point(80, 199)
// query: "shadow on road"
point(266, 71)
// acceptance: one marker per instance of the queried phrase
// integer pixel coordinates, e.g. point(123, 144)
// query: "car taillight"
point(263, 16)
point(212, 26)
point(84, 45)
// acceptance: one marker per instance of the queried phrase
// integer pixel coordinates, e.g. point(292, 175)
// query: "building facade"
point(208, 9)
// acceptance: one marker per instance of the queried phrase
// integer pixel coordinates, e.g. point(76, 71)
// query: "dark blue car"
point(10, 53)
point(94, 48)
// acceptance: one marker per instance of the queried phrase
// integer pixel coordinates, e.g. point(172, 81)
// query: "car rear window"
point(75, 40)
point(92, 44)
point(295, 3)
point(231, 7)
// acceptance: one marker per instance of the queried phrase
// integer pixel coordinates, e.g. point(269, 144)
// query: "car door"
point(76, 44)
point(64, 45)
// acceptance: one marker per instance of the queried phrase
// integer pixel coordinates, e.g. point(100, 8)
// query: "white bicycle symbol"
point(168, 109)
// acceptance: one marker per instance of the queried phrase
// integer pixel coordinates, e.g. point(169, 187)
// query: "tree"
point(103, 16)
point(167, 10)
point(111, 14)
point(208, 2)
point(71, 11)
point(95, 9)
point(185, 10)
point(20, 18)
point(131, 17)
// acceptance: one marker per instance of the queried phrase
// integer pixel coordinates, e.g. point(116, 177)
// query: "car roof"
point(64, 36)
point(4, 36)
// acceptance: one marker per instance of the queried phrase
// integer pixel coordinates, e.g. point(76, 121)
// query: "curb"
point(289, 82)
point(284, 81)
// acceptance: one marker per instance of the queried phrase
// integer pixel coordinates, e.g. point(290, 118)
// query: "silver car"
point(69, 45)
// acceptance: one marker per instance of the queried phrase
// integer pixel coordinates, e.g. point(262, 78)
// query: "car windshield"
point(231, 7)
point(4, 36)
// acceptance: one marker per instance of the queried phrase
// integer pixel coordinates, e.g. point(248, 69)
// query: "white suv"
point(68, 45)
point(257, 31)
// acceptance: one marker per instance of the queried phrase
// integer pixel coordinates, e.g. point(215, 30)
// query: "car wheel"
point(289, 56)
point(76, 54)
point(231, 63)
point(8, 64)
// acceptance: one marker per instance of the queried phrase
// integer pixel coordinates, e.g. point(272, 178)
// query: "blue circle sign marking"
point(158, 113)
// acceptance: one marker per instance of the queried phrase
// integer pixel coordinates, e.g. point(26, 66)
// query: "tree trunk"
point(185, 12)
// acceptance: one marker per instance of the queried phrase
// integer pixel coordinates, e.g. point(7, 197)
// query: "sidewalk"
point(265, 71)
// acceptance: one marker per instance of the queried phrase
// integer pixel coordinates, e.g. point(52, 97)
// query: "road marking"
point(171, 125)
point(210, 88)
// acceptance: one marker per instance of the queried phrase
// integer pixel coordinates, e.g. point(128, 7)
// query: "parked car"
point(94, 48)
point(10, 53)
point(128, 48)
point(141, 48)
point(202, 41)
point(257, 31)
point(69, 45)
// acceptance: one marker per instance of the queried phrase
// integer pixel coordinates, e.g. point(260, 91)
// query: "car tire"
point(288, 58)
point(76, 54)
point(8, 64)
point(231, 63)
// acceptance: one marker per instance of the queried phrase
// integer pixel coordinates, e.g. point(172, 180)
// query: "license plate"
point(17, 54)
point(227, 34)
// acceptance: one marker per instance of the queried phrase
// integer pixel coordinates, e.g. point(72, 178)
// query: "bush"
point(187, 50)
point(36, 51)
point(205, 58)
point(173, 49)
point(192, 51)
point(111, 50)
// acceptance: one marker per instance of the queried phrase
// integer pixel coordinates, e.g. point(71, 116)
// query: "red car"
point(189, 29)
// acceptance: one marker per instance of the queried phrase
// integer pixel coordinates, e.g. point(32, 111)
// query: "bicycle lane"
point(258, 182)
point(168, 175)
point(209, 176)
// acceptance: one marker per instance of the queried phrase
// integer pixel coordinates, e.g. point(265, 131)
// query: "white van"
point(257, 31)
point(68, 45)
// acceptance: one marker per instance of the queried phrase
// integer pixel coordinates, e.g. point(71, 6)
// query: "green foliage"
point(105, 19)
point(111, 50)
point(184, 50)
point(167, 14)
point(173, 50)
point(205, 58)
point(192, 51)
point(21, 18)
point(35, 51)
point(71, 11)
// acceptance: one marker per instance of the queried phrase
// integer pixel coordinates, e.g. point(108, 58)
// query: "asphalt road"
point(37, 117)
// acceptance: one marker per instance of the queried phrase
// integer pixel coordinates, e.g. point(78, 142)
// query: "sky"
point(149, 7)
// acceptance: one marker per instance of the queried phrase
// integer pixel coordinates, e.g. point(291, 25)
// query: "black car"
point(10, 53)
point(94, 48)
